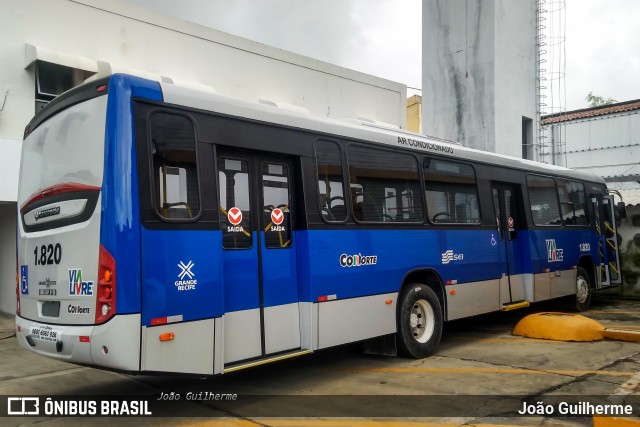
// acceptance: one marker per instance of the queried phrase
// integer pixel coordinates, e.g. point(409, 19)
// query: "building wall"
point(8, 257)
point(479, 72)
point(414, 113)
point(605, 145)
point(515, 74)
point(126, 36)
point(458, 71)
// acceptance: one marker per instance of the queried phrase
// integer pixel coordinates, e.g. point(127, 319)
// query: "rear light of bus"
point(106, 298)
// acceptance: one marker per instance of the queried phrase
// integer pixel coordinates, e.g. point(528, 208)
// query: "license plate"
point(46, 333)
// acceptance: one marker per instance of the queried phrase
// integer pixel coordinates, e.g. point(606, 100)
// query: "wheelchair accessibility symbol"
point(493, 240)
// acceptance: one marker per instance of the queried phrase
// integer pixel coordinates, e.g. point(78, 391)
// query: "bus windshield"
point(67, 147)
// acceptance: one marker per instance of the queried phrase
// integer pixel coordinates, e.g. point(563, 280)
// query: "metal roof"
point(630, 192)
point(586, 113)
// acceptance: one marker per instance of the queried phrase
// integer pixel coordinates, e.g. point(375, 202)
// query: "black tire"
point(420, 305)
point(583, 290)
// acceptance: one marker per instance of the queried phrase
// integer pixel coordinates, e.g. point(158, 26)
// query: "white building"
point(480, 74)
point(605, 141)
point(50, 46)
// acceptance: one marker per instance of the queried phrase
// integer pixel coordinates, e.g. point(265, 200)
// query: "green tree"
point(597, 101)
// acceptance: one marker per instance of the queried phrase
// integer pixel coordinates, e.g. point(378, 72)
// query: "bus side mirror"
point(621, 210)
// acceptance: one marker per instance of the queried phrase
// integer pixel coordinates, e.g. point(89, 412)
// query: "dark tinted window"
point(330, 182)
point(276, 209)
point(543, 200)
point(235, 207)
point(572, 202)
point(452, 195)
point(385, 186)
point(175, 173)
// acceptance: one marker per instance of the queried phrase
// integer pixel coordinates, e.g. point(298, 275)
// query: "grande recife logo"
point(186, 277)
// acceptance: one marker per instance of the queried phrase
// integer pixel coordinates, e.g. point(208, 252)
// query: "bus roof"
point(354, 129)
point(349, 128)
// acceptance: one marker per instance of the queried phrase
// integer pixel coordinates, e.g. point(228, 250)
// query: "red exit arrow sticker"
point(277, 216)
point(235, 216)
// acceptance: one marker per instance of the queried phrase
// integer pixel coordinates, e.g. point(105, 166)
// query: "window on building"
point(54, 79)
point(572, 203)
point(544, 200)
point(330, 182)
point(452, 194)
point(527, 138)
point(175, 172)
point(385, 186)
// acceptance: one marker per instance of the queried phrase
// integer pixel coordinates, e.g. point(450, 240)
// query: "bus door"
point(604, 207)
point(508, 218)
point(259, 258)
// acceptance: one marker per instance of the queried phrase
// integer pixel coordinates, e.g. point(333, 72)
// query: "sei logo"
point(450, 256)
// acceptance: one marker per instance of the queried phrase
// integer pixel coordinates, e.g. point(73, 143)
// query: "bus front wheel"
point(419, 321)
point(583, 290)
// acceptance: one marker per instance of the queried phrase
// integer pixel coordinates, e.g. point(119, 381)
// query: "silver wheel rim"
point(422, 321)
point(582, 289)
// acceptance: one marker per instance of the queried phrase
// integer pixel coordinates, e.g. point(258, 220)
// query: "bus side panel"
point(181, 275)
point(463, 256)
point(470, 299)
point(120, 222)
point(555, 253)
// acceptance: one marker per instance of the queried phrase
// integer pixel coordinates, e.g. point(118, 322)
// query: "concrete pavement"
point(478, 357)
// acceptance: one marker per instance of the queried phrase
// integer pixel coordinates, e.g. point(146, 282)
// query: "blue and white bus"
point(166, 229)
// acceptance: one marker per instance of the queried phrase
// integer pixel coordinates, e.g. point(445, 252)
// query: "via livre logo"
point(78, 287)
point(553, 253)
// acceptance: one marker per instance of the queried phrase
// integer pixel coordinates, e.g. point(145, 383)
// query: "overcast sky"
point(383, 38)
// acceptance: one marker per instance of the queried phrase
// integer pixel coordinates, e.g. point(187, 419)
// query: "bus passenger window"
point(330, 182)
point(452, 195)
point(276, 209)
point(176, 192)
point(543, 200)
point(385, 186)
point(572, 203)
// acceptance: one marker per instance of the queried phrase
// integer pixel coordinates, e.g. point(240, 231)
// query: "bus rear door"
point(260, 273)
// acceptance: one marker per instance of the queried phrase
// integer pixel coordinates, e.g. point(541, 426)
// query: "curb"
point(622, 335)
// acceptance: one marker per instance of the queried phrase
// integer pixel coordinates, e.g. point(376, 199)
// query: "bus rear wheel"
point(419, 321)
point(583, 290)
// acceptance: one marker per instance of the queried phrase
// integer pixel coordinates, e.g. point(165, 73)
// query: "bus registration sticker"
point(45, 333)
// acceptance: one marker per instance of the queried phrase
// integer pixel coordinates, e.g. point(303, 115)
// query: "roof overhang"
point(35, 53)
